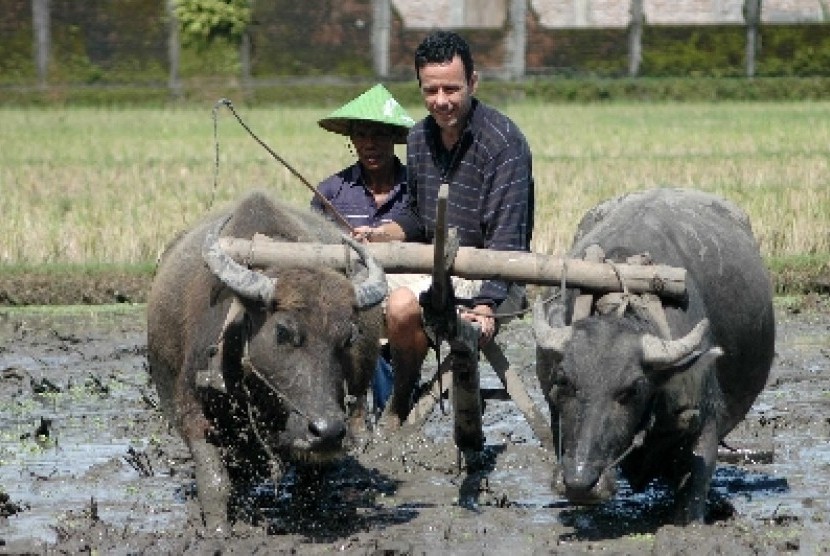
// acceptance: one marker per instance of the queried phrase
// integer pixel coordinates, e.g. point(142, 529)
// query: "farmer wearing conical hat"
point(373, 190)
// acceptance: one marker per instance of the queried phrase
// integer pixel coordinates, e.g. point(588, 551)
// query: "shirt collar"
point(358, 180)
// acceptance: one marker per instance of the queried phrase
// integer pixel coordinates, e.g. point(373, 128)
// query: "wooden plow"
point(459, 372)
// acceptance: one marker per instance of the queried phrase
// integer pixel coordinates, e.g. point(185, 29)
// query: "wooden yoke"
point(475, 264)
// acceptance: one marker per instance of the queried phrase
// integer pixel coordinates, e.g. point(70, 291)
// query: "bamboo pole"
point(471, 263)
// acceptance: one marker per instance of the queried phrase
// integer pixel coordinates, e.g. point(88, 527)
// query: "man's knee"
point(403, 312)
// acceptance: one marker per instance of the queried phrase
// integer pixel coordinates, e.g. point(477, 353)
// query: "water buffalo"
point(655, 390)
point(255, 366)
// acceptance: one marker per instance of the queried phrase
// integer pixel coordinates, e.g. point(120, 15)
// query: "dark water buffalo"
point(256, 366)
point(656, 395)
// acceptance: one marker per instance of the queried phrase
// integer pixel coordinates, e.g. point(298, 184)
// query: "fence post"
point(245, 49)
point(635, 38)
point(174, 49)
point(381, 21)
point(42, 40)
point(517, 39)
point(752, 17)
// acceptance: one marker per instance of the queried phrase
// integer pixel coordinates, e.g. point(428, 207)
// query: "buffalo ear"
point(548, 337)
point(219, 293)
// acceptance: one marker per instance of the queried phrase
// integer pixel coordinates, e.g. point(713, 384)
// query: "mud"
point(88, 464)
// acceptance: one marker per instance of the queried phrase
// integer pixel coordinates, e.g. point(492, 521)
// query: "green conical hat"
point(375, 105)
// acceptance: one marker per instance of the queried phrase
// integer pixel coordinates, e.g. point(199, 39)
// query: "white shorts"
point(465, 290)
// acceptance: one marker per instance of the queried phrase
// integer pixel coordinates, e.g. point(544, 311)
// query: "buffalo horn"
point(548, 337)
point(244, 282)
point(664, 353)
point(370, 291)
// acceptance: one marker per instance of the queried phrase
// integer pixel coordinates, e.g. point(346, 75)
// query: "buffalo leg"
point(212, 480)
point(212, 484)
point(693, 490)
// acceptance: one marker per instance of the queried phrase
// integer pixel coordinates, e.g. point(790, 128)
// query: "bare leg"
point(408, 345)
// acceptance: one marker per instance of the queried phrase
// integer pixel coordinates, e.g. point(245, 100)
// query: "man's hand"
point(484, 317)
point(388, 231)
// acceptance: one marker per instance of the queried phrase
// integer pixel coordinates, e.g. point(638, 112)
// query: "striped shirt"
point(491, 195)
point(347, 191)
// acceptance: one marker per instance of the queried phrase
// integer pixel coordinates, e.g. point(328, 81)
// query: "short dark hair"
point(442, 46)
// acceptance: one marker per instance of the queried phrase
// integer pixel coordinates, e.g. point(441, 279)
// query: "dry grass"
point(93, 185)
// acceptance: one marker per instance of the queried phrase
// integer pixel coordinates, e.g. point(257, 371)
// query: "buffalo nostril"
point(328, 430)
point(581, 478)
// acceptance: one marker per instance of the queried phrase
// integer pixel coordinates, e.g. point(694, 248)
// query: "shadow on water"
point(633, 513)
point(478, 469)
point(325, 503)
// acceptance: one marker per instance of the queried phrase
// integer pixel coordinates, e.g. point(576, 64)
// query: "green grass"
point(91, 185)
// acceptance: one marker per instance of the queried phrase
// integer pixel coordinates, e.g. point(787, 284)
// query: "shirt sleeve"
point(508, 211)
point(409, 218)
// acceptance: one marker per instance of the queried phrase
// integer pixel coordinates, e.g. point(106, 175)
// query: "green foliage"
point(799, 274)
point(695, 51)
point(16, 57)
point(795, 50)
point(220, 60)
point(203, 21)
point(720, 51)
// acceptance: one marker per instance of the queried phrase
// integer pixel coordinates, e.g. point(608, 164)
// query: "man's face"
point(374, 143)
point(447, 93)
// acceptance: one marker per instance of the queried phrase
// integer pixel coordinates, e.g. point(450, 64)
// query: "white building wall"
point(492, 14)
point(452, 14)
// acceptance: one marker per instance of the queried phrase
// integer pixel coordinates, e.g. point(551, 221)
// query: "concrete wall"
point(563, 14)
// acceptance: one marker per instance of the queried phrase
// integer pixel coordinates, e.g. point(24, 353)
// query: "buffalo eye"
point(354, 334)
point(288, 334)
point(625, 395)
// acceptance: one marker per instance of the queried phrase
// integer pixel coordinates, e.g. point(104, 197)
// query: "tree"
point(203, 21)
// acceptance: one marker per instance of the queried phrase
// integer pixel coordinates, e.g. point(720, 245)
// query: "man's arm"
point(508, 217)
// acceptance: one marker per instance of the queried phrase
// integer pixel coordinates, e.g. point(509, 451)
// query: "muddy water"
point(87, 462)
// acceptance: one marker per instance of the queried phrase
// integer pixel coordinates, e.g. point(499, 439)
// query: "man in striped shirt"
point(486, 161)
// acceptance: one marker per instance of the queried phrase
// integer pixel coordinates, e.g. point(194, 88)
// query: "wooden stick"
point(471, 263)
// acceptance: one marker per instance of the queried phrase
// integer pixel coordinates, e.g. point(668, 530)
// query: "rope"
point(625, 294)
point(636, 442)
point(249, 367)
point(329, 207)
point(253, 422)
point(519, 313)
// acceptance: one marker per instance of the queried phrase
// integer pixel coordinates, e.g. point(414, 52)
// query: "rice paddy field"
point(88, 186)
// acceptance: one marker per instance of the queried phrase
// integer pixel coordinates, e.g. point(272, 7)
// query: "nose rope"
point(253, 422)
point(636, 442)
point(249, 368)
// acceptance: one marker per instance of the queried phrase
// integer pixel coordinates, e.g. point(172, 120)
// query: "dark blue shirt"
point(348, 192)
point(491, 195)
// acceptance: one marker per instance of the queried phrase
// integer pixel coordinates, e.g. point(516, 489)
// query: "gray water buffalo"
point(252, 366)
point(655, 389)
